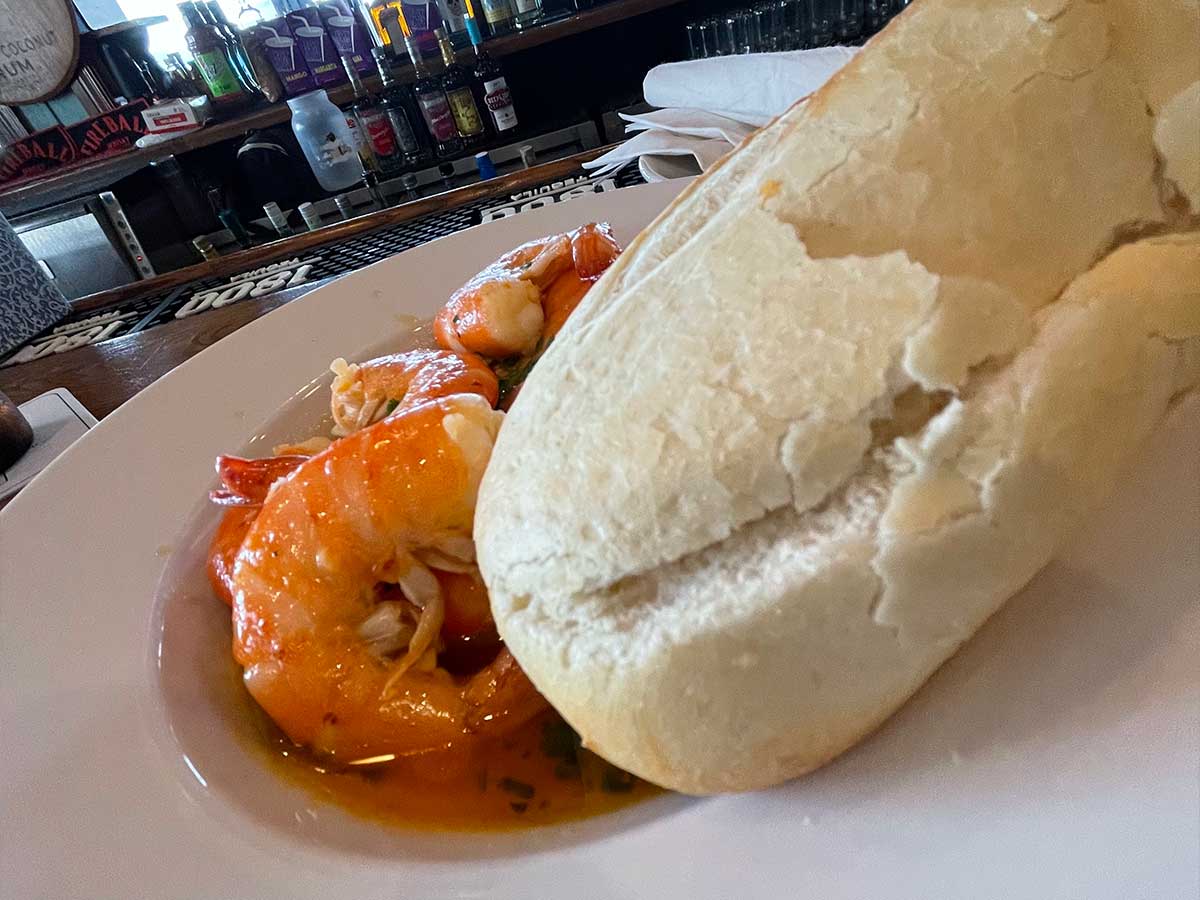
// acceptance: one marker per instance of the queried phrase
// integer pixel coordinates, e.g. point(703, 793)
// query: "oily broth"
point(537, 775)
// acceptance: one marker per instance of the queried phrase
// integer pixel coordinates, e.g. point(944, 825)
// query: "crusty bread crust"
point(849, 393)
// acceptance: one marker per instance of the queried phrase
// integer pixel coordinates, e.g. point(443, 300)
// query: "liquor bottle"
point(385, 151)
point(457, 84)
point(393, 102)
point(454, 19)
point(529, 13)
point(435, 107)
point(376, 11)
point(233, 42)
point(221, 81)
point(499, 16)
point(496, 95)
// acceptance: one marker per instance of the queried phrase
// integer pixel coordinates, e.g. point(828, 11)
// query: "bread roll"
point(849, 393)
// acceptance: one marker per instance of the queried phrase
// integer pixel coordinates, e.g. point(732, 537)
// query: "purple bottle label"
point(347, 35)
point(315, 46)
point(284, 55)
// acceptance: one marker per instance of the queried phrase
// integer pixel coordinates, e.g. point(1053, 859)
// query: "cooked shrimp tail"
point(593, 249)
point(246, 482)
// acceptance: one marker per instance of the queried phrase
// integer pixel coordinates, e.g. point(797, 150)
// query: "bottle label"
point(379, 134)
point(466, 114)
point(454, 14)
point(497, 12)
point(357, 139)
point(333, 150)
point(499, 103)
point(416, 17)
point(438, 117)
point(528, 6)
point(217, 74)
point(403, 131)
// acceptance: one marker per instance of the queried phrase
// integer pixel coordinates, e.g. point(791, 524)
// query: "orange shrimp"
point(245, 484)
point(222, 552)
point(358, 395)
point(361, 393)
point(327, 654)
point(521, 300)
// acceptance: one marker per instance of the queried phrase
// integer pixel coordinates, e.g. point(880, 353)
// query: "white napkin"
point(752, 88)
point(694, 122)
point(704, 152)
point(712, 105)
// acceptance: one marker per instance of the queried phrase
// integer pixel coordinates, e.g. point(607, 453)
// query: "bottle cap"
point(483, 162)
point(275, 214)
point(311, 217)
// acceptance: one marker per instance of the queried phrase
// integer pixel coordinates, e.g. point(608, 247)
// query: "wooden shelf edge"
point(242, 260)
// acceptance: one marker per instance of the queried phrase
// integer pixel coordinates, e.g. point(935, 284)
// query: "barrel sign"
point(38, 49)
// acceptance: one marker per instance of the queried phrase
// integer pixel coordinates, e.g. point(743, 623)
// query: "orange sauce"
point(538, 775)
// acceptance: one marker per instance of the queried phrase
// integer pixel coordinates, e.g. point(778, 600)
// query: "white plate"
point(1055, 756)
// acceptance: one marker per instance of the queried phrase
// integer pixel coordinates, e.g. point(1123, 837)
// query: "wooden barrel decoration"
point(39, 46)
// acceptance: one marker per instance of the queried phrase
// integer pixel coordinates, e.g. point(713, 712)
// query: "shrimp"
point(502, 312)
point(364, 393)
point(336, 660)
point(223, 550)
point(245, 484)
point(359, 396)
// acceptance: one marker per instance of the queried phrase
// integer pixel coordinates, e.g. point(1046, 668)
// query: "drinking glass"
point(875, 15)
point(727, 44)
point(708, 33)
point(762, 29)
point(849, 21)
point(695, 41)
point(745, 31)
point(821, 22)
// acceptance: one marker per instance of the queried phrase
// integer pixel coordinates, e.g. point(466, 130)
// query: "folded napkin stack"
point(710, 105)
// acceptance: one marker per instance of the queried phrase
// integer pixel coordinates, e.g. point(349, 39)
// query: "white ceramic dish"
point(1055, 756)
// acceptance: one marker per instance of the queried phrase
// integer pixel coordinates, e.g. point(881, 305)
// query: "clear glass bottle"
point(325, 138)
point(454, 19)
point(376, 10)
point(528, 13)
point(499, 16)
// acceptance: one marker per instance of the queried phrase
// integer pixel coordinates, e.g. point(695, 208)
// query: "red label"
point(379, 132)
point(170, 119)
point(438, 117)
point(500, 99)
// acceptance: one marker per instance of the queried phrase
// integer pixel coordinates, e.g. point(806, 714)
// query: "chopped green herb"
point(516, 788)
point(566, 771)
point(616, 781)
point(560, 741)
point(391, 407)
